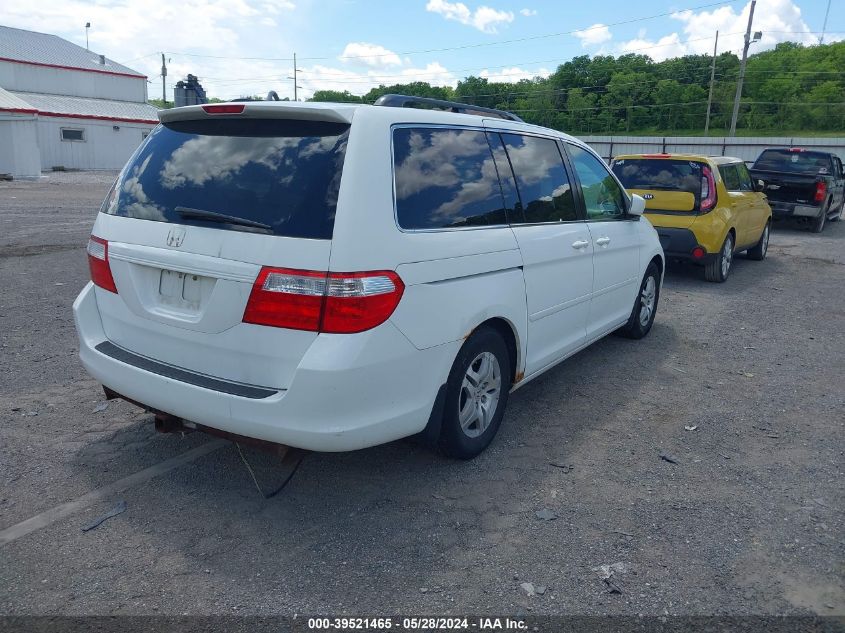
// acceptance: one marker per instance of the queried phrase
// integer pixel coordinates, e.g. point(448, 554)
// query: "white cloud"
point(434, 73)
point(666, 47)
point(513, 75)
point(129, 31)
point(528, 12)
point(594, 35)
point(369, 54)
point(320, 77)
point(484, 18)
point(779, 20)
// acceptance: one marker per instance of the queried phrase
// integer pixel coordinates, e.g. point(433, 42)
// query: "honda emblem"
point(175, 237)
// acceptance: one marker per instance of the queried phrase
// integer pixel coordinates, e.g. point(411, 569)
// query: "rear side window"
point(271, 176)
point(794, 161)
point(543, 185)
point(445, 178)
point(730, 176)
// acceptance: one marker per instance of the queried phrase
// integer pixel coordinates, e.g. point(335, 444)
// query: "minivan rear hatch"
point(209, 199)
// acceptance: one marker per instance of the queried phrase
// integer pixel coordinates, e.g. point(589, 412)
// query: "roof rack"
point(405, 101)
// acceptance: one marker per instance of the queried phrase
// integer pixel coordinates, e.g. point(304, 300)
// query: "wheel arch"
point(509, 334)
point(661, 265)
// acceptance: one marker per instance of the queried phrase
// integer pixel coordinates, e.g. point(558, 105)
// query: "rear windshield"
point(793, 162)
point(659, 174)
point(278, 177)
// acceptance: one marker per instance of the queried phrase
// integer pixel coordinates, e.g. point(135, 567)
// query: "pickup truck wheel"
point(838, 216)
point(645, 306)
point(719, 269)
point(818, 223)
point(761, 248)
point(476, 395)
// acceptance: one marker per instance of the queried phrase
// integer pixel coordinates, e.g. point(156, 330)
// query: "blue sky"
point(356, 44)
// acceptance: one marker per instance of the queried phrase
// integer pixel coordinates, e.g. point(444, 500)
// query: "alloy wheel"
point(480, 392)
point(647, 300)
point(727, 256)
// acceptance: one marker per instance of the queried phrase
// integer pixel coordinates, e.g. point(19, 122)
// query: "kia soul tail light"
point(321, 301)
point(708, 190)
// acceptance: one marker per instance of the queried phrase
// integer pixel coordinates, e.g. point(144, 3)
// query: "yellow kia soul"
point(704, 208)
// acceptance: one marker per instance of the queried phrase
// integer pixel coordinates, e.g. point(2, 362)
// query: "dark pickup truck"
point(802, 183)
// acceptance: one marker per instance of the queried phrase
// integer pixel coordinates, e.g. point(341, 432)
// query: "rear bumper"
point(794, 210)
point(349, 391)
point(680, 243)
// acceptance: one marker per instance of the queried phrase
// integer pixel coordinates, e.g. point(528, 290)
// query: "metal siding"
point(23, 78)
point(103, 148)
point(20, 150)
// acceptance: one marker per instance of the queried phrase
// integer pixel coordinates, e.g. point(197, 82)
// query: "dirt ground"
point(740, 383)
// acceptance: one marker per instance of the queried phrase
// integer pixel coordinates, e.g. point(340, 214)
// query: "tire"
point(838, 216)
point(818, 224)
point(719, 269)
point(645, 305)
point(759, 251)
point(485, 357)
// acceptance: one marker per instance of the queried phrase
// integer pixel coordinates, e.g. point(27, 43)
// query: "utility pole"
point(163, 77)
point(712, 77)
point(824, 26)
point(742, 69)
point(294, 78)
point(88, 26)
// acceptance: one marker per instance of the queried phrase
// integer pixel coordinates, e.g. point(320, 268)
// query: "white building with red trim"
point(62, 106)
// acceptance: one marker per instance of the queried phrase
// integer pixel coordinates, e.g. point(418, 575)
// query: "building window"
point(73, 134)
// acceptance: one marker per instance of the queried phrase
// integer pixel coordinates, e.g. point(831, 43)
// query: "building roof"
point(11, 103)
point(82, 107)
point(42, 49)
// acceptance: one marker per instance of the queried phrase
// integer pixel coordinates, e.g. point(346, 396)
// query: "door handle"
point(580, 244)
point(603, 241)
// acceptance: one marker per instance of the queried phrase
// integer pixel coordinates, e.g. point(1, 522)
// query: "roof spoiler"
point(333, 113)
point(405, 101)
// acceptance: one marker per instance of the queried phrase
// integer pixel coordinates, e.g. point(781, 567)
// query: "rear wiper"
point(211, 216)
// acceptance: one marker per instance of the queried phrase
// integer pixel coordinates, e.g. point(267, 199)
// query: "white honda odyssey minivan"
point(335, 276)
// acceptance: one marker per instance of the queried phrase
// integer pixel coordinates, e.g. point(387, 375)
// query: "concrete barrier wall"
point(746, 148)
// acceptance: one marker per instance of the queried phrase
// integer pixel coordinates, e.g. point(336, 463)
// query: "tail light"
point(98, 262)
point(323, 302)
point(708, 190)
point(821, 191)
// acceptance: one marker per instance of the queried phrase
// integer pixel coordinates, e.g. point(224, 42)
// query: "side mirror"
point(637, 205)
point(760, 185)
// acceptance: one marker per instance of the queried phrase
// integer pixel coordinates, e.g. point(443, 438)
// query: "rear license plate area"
point(182, 290)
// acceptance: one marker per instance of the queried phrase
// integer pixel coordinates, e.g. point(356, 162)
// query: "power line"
point(667, 105)
point(464, 46)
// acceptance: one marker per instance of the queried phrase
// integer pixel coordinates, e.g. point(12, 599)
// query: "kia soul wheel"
point(719, 269)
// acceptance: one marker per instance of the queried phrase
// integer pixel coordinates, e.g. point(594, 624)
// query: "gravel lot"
point(749, 521)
